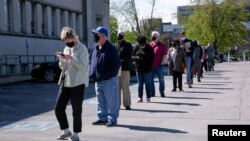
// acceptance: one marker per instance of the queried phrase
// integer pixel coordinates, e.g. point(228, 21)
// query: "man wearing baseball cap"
point(104, 66)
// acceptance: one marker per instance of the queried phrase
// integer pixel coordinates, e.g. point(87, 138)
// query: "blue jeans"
point(189, 67)
point(144, 78)
point(159, 72)
point(107, 99)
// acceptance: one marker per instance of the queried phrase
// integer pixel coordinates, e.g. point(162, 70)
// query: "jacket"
point(75, 71)
point(125, 50)
point(104, 62)
point(179, 63)
point(144, 57)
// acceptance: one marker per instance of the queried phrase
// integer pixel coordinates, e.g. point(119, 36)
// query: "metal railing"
point(22, 64)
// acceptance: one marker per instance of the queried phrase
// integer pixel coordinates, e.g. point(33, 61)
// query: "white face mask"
point(183, 38)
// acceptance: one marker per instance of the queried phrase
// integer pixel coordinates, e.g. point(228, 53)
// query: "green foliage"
point(221, 24)
point(113, 28)
point(130, 36)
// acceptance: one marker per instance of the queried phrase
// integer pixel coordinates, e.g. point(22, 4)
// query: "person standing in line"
point(197, 57)
point(187, 45)
point(125, 50)
point(177, 58)
point(143, 55)
point(203, 61)
point(210, 57)
point(74, 62)
point(159, 52)
point(104, 66)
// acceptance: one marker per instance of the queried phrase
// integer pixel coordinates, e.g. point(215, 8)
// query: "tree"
point(128, 11)
point(218, 22)
point(113, 28)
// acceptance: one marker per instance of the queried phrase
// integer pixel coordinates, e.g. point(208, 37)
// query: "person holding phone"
point(74, 62)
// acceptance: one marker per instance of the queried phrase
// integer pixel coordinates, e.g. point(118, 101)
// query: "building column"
point(27, 17)
point(57, 23)
point(14, 21)
point(38, 19)
point(48, 21)
point(3, 26)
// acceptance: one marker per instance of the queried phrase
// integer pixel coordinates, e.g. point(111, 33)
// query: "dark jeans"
point(160, 74)
point(177, 76)
point(204, 64)
point(75, 95)
point(144, 78)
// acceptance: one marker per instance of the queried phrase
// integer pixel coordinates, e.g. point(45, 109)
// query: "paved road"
point(26, 110)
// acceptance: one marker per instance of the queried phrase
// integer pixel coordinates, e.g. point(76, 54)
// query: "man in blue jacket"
point(104, 66)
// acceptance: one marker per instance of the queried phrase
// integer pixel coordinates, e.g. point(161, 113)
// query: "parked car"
point(49, 71)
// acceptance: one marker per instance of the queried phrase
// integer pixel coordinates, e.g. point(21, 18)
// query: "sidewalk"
point(221, 98)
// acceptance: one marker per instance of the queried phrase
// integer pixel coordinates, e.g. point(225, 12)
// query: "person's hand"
point(67, 57)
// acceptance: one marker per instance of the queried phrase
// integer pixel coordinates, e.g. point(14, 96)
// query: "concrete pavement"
point(221, 98)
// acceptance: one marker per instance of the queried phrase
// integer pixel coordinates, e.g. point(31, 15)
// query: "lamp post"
point(228, 55)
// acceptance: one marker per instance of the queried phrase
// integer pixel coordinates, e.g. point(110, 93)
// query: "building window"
point(44, 19)
point(33, 11)
point(21, 15)
point(78, 24)
point(7, 14)
point(70, 20)
point(53, 22)
point(63, 20)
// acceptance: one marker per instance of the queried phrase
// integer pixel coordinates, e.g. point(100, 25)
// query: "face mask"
point(120, 37)
point(97, 38)
point(70, 44)
point(153, 38)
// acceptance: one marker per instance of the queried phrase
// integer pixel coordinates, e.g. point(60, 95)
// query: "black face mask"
point(120, 37)
point(153, 38)
point(97, 38)
point(70, 44)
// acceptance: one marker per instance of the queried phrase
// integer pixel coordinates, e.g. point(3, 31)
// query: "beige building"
point(33, 27)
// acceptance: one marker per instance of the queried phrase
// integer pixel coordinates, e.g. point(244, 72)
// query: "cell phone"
point(62, 54)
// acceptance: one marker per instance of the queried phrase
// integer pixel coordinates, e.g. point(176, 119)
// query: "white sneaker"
point(63, 136)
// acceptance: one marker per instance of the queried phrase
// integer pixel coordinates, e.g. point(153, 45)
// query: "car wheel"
point(50, 75)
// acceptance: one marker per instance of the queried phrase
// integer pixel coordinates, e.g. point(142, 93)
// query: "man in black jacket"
point(125, 51)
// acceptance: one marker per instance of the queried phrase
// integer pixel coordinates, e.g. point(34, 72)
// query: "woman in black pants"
point(176, 57)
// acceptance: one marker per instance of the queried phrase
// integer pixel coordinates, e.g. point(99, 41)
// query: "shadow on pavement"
point(152, 129)
point(199, 98)
point(197, 92)
point(213, 88)
point(176, 103)
point(158, 111)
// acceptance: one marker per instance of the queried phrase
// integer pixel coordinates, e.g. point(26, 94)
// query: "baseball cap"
point(102, 30)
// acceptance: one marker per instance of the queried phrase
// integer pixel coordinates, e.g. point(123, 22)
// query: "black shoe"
point(162, 94)
point(99, 122)
point(174, 90)
point(199, 80)
point(110, 124)
point(152, 95)
point(128, 108)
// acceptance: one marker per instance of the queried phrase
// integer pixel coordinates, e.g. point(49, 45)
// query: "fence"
point(22, 64)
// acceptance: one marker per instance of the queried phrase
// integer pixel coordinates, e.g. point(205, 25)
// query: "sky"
point(163, 9)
